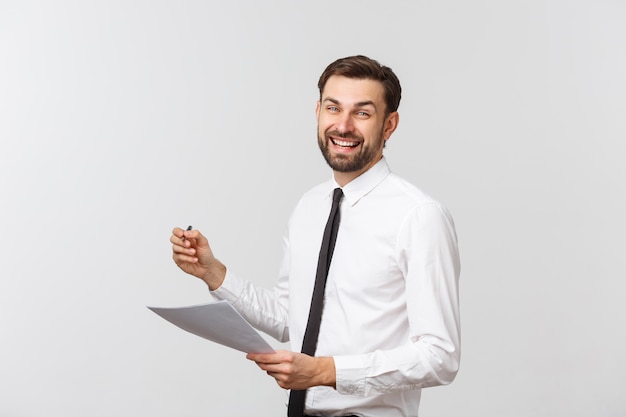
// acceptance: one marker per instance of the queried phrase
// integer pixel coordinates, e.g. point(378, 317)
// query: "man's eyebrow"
point(358, 104)
point(366, 103)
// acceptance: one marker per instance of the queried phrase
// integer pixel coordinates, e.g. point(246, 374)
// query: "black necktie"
point(297, 397)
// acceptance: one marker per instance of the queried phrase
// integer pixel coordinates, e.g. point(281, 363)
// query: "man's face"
point(351, 125)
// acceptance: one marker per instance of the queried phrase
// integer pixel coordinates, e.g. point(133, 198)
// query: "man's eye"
point(333, 108)
point(363, 114)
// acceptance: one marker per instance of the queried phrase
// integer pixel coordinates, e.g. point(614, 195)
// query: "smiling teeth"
point(345, 143)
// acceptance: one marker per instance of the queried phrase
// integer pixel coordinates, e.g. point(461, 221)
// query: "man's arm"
point(428, 258)
point(264, 309)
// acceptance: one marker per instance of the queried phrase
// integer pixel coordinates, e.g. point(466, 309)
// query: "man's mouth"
point(344, 143)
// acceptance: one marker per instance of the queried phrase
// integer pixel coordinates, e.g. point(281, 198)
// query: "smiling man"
point(353, 124)
point(373, 316)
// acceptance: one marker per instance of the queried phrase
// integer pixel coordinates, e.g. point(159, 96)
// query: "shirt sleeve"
point(427, 255)
point(265, 309)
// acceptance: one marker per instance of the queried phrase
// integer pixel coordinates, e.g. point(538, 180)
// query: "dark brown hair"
point(362, 67)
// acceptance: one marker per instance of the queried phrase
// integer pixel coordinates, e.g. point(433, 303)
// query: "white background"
point(122, 119)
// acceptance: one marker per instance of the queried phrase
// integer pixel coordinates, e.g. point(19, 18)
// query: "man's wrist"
point(327, 371)
point(215, 275)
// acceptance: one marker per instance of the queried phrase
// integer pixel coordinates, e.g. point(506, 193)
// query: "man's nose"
point(345, 124)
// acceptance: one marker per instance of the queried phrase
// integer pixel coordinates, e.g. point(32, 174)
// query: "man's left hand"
point(296, 371)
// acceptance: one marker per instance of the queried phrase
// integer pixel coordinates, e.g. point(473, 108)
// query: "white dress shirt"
point(391, 311)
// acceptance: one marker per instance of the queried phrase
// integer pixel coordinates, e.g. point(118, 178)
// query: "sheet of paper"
point(218, 322)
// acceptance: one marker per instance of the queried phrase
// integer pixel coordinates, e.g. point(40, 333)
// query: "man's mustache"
point(344, 135)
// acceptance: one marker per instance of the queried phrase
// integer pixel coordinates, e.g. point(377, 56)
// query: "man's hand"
point(296, 370)
point(192, 254)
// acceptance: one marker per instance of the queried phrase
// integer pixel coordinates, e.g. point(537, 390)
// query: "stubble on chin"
point(338, 162)
point(345, 163)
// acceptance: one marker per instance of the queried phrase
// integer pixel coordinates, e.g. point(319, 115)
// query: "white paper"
point(218, 322)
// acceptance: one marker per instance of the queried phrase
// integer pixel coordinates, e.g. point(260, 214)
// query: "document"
point(218, 322)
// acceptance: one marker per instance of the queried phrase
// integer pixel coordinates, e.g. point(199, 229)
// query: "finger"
point(277, 368)
point(177, 240)
point(276, 375)
point(278, 379)
point(263, 357)
point(194, 236)
point(181, 242)
point(276, 357)
point(184, 238)
point(182, 258)
point(176, 249)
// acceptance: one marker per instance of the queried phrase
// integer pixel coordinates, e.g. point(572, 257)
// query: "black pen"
point(188, 228)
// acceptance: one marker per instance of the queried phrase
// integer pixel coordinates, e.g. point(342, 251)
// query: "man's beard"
point(348, 163)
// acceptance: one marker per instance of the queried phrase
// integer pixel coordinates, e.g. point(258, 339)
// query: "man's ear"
point(391, 123)
point(317, 110)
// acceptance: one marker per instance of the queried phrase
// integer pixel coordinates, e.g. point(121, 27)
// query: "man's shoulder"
point(315, 196)
point(319, 191)
point(405, 190)
point(402, 200)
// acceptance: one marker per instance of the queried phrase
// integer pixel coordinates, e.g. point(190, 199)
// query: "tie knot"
point(337, 194)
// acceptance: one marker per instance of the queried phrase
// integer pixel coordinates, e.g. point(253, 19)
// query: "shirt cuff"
point(350, 374)
point(231, 289)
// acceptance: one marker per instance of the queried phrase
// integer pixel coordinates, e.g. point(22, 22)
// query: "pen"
point(188, 228)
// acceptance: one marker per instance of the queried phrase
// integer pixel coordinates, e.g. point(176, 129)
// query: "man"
point(390, 321)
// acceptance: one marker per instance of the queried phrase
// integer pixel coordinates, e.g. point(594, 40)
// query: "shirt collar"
point(364, 183)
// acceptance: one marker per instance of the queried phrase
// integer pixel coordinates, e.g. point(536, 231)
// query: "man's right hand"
point(192, 254)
